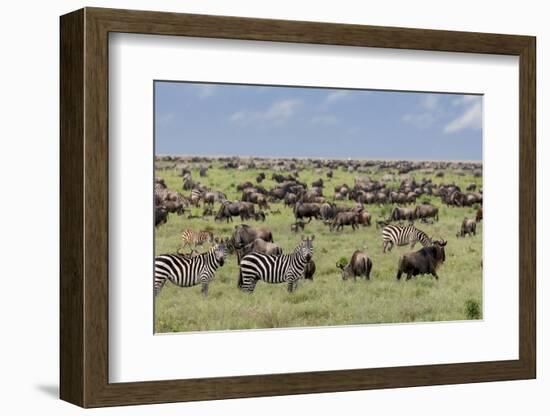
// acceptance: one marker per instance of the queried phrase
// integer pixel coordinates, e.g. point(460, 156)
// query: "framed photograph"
point(254, 207)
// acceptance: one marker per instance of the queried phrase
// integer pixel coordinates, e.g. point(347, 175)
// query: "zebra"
point(401, 235)
point(287, 268)
point(191, 237)
point(186, 271)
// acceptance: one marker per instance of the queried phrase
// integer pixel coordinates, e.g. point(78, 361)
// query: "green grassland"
point(327, 300)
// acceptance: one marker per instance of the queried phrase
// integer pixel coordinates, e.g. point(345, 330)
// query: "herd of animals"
point(258, 256)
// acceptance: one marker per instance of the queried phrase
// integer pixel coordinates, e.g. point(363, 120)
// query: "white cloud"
point(430, 101)
point(336, 96)
point(205, 91)
point(469, 119)
point(420, 120)
point(278, 112)
point(428, 112)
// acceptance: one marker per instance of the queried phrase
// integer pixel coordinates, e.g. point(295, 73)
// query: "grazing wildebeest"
point(344, 218)
point(479, 214)
point(468, 226)
point(309, 270)
point(424, 211)
point(471, 187)
point(228, 210)
point(329, 174)
point(424, 261)
point(202, 172)
point(260, 177)
point(400, 214)
point(359, 265)
point(307, 210)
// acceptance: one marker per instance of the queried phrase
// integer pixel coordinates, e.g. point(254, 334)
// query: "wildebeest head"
point(346, 269)
point(305, 248)
point(439, 246)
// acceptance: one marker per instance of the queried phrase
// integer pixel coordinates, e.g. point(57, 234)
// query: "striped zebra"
point(401, 235)
point(285, 268)
point(191, 237)
point(186, 271)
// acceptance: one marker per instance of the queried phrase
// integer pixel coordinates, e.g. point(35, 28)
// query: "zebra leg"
point(291, 286)
point(204, 289)
point(159, 284)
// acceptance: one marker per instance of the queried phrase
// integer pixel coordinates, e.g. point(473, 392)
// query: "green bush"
point(473, 309)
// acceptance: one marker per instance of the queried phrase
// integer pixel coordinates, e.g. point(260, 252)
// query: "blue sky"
point(248, 120)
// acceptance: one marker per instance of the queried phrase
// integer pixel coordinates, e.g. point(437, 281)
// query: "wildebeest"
point(344, 218)
point(479, 214)
point(364, 218)
point(260, 177)
point(245, 234)
point(261, 246)
point(290, 199)
point(227, 211)
point(359, 265)
point(424, 211)
point(400, 214)
point(468, 226)
point(307, 210)
point(318, 183)
point(424, 261)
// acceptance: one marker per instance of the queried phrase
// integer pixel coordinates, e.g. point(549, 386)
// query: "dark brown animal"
point(479, 214)
point(359, 265)
point(468, 226)
point(424, 211)
point(344, 218)
point(424, 261)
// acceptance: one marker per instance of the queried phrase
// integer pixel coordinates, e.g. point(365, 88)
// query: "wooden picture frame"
point(84, 207)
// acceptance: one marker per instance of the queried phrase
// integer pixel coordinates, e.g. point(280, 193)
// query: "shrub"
point(473, 309)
